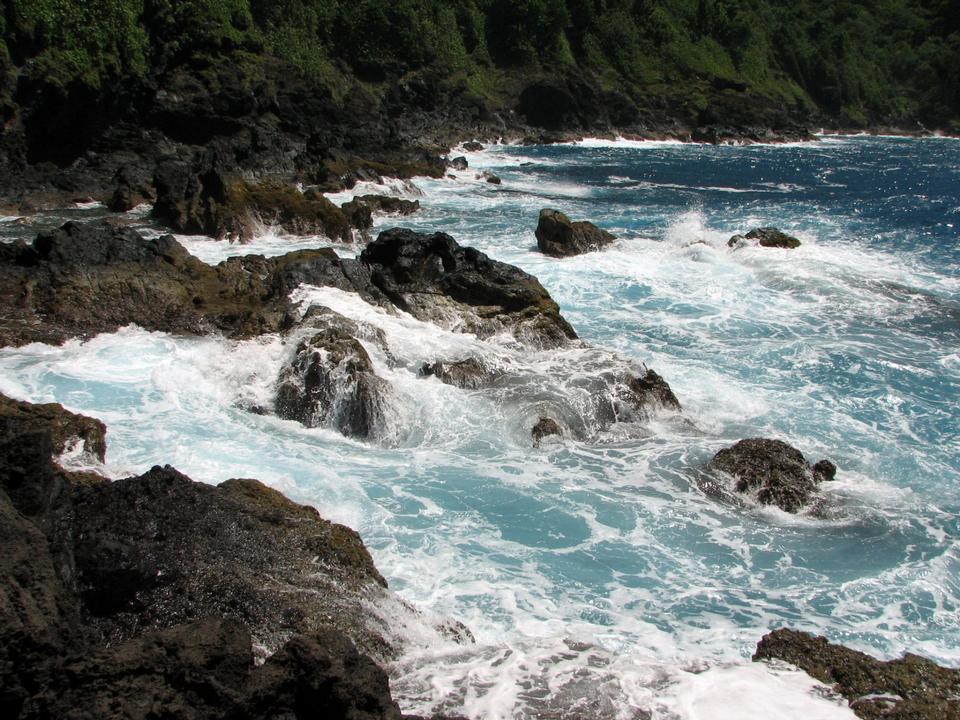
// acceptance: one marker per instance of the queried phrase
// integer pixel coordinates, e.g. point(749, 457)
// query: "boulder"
point(132, 187)
point(435, 279)
point(649, 391)
point(66, 429)
point(908, 688)
point(472, 146)
point(773, 472)
point(545, 427)
point(470, 374)
point(459, 163)
point(490, 177)
point(331, 383)
point(559, 237)
point(765, 237)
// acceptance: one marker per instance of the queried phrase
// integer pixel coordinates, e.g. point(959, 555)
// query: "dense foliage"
point(859, 60)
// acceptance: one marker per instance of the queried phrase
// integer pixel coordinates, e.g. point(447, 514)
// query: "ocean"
point(597, 576)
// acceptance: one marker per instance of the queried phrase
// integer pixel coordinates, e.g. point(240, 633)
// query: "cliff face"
point(100, 91)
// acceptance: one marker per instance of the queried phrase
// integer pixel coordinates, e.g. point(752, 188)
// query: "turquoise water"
point(846, 347)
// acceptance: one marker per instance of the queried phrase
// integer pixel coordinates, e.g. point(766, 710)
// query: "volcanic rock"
point(908, 688)
point(459, 163)
point(774, 472)
point(435, 279)
point(765, 237)
point(559, 237)
point(545, 427)
point(470, 374)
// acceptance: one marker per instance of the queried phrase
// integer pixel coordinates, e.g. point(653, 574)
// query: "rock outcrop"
point(773, 472)
point(155, 595)
point(545, 427)
point(84, 279)
point(433, 278)
point(770, 237)
point(909, 688)
point(558, 236)
point(470, 374)
point(331, 382)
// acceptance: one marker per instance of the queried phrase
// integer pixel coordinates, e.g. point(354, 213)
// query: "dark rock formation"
point(65, 428)
point(360, 210)
point(490, 177)
point(909, 688)
point(459, 163)
point(773, 472)
point(545, 427)
point(470, 374)
point(636, 395)
point(472, 146)
point(207, 201)
point(132, 186)
point(331, 382)
point(152, 596)
point(765, 237)
point(435, 279)
point(559, 237)
point(81, 280)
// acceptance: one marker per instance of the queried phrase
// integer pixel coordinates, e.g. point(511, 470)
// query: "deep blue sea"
point(596, 575)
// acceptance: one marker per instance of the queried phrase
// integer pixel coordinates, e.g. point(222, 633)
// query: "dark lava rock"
point(559, 237)
point(490, 177)
point(435, 279)
point(470, 374)
point(84, 279)
point(650, 391)
point(459, 163)
point(766, 237)
point(331, 383)
point(545, 427)
point(132, 186)
point(472, 146)
point(206, 201)
point(360, 210)
point(66, 428)
point(909, 688)
point(775, 472)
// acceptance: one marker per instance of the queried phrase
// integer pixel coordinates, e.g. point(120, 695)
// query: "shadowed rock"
point(774, 472)
point(908, 688)
point(765, 237)
point(435, 279)
point(459, 163)
point(559, 237)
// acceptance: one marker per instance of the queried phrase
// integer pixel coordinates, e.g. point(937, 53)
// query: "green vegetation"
point(858, 60)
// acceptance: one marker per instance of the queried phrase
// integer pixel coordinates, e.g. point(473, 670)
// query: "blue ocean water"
point(595, 573)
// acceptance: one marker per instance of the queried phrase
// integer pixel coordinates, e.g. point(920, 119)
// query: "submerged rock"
point(470, 374)
point(774, 472)
point(435, 279)
point(545, 427)
point(765, 237)
point(459, 163)
point(650, 391)
point(909, 688)
point(490, 177)
point(558, 236)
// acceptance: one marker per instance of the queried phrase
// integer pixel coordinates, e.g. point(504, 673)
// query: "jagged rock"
point(490, 177)
point(331, 383)
point(459, 163)
point(66, 428)
point(472, 146)
point(765, 237)
point(640, 394)
point(470, 374)
point(360, 210)
point(908, 688)
point(203, 200)
point(84, 279)
point(559, 237)
point(132, 186)
point(773, 471)
point(435, 279)
point(545, 427)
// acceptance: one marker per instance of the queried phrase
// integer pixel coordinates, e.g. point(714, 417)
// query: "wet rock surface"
point(774, 472)
point(545, 427)
point(153, 596)
point(558, 236)
point(470, 374)
point(770, 237)
point(435, 279)
point(908, 688)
